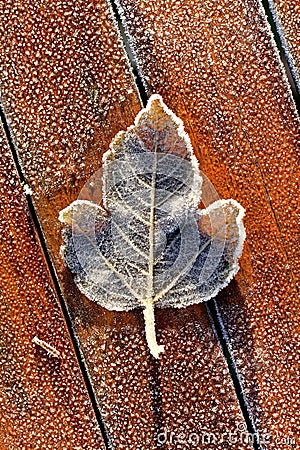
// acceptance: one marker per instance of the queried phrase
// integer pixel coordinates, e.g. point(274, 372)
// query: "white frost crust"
point(239, 248)
point(239, 221)
point(236, 255)
point(181, 132)
point(67, 214)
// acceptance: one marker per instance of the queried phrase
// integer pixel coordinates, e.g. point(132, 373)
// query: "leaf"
point(149, 243)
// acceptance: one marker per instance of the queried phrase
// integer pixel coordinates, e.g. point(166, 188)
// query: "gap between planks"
point(279, 40)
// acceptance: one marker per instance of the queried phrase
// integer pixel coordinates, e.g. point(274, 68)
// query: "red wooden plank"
point(43, 401)
point(216, 66)
point(66, 92)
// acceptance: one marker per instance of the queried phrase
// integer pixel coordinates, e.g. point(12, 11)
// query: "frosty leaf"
point(150, 244)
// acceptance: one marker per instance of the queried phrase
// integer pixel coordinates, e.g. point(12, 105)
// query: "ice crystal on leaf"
point(150, 244)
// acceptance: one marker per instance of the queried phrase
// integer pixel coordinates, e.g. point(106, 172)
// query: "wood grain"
point(286, 14)
point(44, 403)
point(67, 90)
point(217, 67)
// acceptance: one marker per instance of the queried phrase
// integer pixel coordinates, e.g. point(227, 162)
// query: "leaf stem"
point(154, 348)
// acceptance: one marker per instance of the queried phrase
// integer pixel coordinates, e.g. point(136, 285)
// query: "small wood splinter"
point(49, 349)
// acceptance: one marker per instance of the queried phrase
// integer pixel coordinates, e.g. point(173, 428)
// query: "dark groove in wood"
point(290, 73)
point(214, 315)
point(130, 53)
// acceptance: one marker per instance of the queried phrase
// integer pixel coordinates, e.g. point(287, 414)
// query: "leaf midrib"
point(150, 293)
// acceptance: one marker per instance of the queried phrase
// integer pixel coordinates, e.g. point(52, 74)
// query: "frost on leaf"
point(150, 244)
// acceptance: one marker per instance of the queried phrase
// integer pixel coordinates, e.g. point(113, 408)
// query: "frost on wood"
point(150, 244)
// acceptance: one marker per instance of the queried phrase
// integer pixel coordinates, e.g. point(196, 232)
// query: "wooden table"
point(72, 75)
